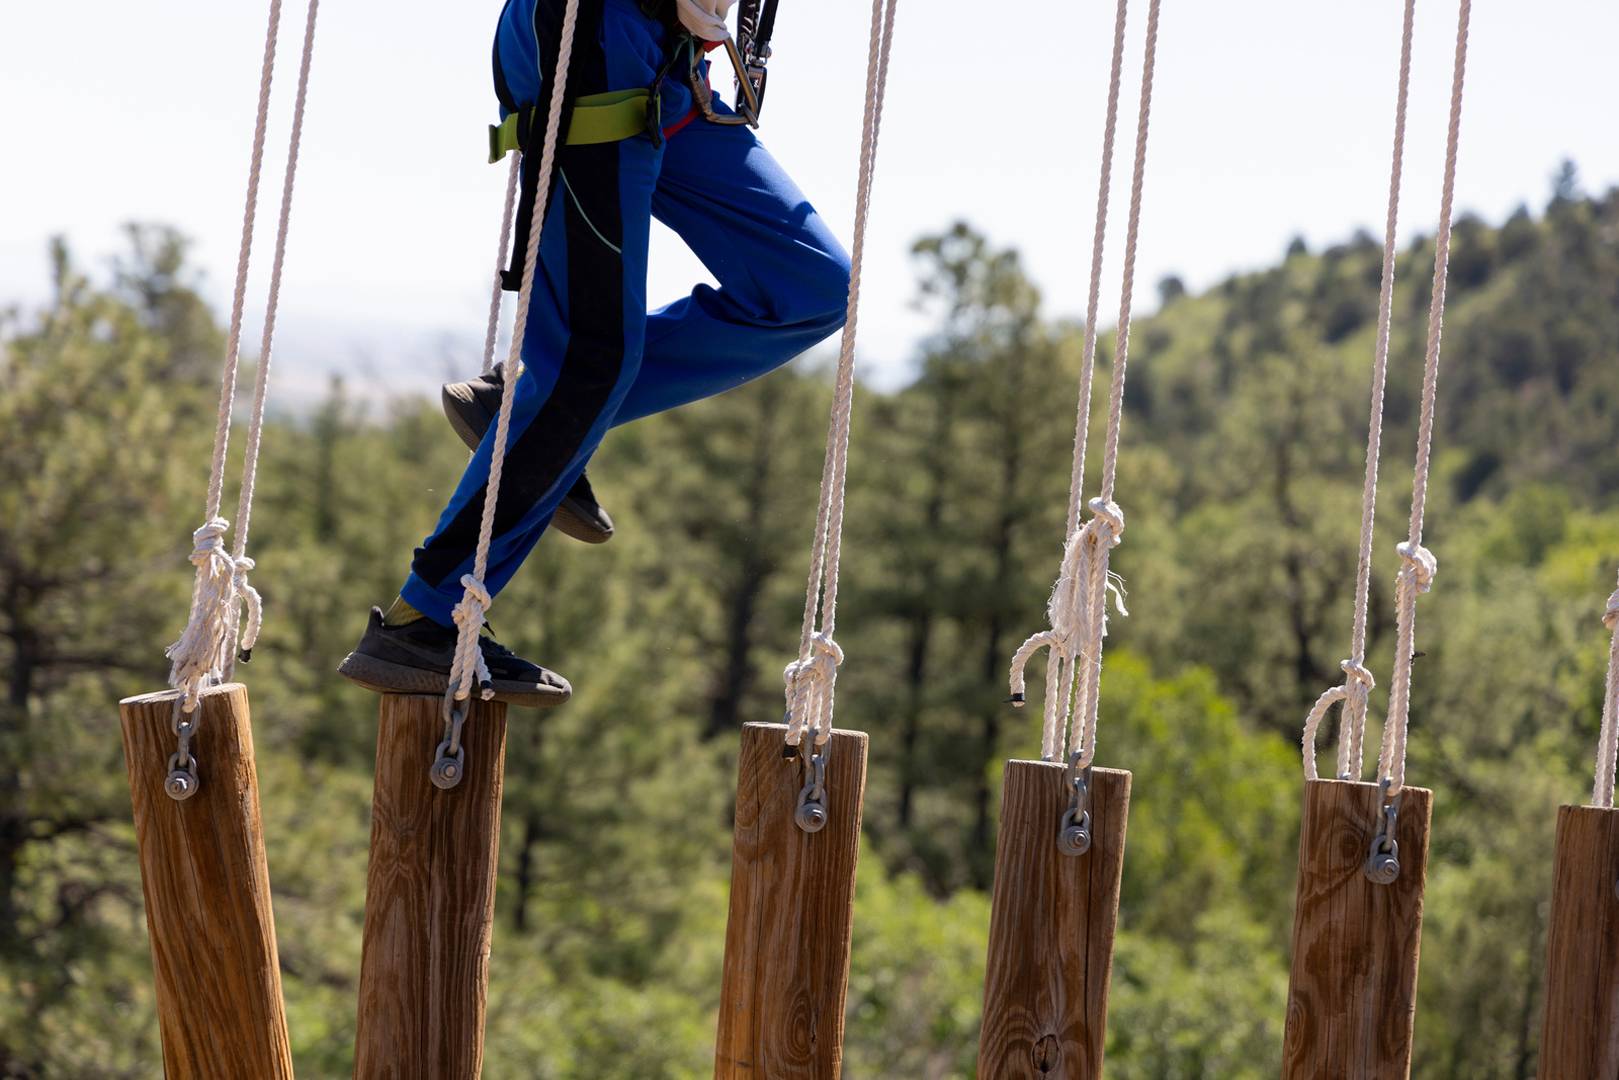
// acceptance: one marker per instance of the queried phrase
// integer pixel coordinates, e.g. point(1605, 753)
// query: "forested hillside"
point(1240, 478)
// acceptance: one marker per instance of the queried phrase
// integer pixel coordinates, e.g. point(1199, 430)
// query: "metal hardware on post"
point(811, 814)
point(1074, 835)
point(449, 763)
point(183, 781)
point(1383, 860)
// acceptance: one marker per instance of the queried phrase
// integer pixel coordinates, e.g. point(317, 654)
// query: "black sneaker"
point(414, 658)
point(472, 406)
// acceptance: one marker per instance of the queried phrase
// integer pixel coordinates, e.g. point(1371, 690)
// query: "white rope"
point(469, 665)
point(811, 679)
point(1418, 564)
point(497, 294)
point(1059, 665)
point(1608, 744)
point(1078, 608)
point(198, 657)
point(244, 592)
point(1104, 186)
point(1355, 691)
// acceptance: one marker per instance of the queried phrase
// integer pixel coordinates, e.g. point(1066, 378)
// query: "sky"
point(1271, 119)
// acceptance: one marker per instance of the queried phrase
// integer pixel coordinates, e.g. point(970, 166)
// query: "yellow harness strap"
point(597, 118)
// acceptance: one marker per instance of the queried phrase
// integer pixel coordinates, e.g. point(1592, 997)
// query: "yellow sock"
point(400, 614)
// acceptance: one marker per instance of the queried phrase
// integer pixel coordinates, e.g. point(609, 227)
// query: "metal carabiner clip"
point(747, 102)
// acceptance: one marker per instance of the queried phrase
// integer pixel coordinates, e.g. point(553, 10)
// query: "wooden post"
point(207, 890)
point(1051, 927)
point(1351, 1003)
point(430, 896)
point(1581, 1037)
point(791, 916)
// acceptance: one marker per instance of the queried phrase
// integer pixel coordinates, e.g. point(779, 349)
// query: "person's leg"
point(587, 316)
point(581, 353)
point(783, 277)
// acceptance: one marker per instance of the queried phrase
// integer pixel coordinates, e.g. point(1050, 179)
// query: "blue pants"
point(593, 355)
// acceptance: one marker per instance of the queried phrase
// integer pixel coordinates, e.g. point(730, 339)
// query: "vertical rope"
point(1059, 666)
point(497, 292)
point(1355, 691)
point(1104, 187)
point(811, 679)
point(469, 663)
point(244, 592)
point(1608, 744)
point(1418, 564)
point(1078, 607)
point(197, 655)
point(1106, 526)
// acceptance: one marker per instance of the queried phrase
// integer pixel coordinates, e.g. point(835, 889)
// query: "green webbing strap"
point(597, 118)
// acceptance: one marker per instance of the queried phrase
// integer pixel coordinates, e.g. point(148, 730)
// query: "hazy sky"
point(1271, 118)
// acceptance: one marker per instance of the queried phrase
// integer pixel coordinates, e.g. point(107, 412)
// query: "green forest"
point(1240, 475)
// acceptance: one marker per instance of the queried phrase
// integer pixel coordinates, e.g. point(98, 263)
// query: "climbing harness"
point(597, 118)
point(207, 651)
point(811, 679)
point(1077, 610)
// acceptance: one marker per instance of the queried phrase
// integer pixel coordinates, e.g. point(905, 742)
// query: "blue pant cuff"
point(428, 600)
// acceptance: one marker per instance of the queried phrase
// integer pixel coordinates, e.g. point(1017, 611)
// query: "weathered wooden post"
point(791, 915)
point(430, 895)
point(207, 890)
point(1351, 1002)
point(1581, 1034)
point(1051, 925)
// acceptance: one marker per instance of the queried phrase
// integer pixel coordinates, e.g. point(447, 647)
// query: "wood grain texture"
point(1581, 1036)
point(207, 891)
point(430, 896)
point(791, 916)
point(1051, 928)
point(1351, 1004)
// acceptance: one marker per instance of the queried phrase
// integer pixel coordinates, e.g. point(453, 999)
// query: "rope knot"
point(810, 681)
point(1420, 565)
point(475, 590)
point(469, 663)
point(208, 543)
point(1108, 520)
point(1357, 672)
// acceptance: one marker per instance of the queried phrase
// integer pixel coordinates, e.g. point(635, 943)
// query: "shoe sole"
point(567, 519)
point(386, 677)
